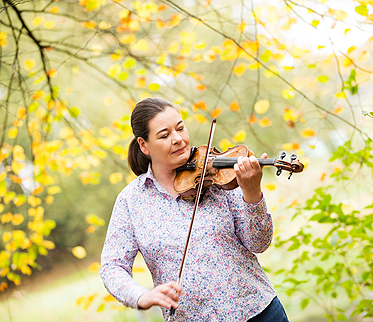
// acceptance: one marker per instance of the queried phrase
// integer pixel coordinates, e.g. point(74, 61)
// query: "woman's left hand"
point(249, 175)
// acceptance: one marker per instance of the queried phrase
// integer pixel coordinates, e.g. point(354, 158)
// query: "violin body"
point(186, 181)
point(219, 170)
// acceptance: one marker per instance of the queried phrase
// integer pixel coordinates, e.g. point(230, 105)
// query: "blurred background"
point(279, 75)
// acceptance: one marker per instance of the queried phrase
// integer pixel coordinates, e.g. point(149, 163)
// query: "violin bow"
point(196, 202)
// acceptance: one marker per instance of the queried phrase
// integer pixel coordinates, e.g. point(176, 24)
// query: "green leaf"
point(304, 303)
point(74, 111)
point(362, 10)
point(323, 79)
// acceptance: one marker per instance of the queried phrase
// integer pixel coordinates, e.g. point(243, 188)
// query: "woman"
point(222, 278)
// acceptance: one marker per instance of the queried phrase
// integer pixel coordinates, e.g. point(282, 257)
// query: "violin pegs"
point(283, 155)
point(293, 157)
point(278, 172)
point(290, 174)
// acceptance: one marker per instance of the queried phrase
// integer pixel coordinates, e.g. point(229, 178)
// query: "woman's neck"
point(166, 178)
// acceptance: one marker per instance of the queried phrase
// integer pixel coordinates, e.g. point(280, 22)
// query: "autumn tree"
point(278, 75)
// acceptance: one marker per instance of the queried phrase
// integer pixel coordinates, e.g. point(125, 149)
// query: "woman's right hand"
point(165, 295)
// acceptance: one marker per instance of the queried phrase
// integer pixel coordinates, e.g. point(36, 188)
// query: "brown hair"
point(142, 114)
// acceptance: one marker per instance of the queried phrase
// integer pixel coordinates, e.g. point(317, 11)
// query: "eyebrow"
point(165, 129)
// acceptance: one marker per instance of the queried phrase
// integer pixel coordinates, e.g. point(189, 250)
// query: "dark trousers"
point(274, 312)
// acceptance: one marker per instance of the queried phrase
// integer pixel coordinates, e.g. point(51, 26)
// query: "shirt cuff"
point(256, 209)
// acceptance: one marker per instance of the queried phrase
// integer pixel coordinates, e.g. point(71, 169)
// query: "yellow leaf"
point(3, 38)
point(37, 21)
point(29, 64)
point(200, 118)
point(180, 67)
point(54, 9)
point(265, 122)
point(341, 95)
point(154, 87)
point(261, 106)
point(141, 45)
point(94, 267)
point(364, 57)
point(79, 252)
point(338, 14)
point(224, 144)
point(5, 218)
point(109, 298)
point(175, 20)
point(48, 244)
point(116, 177)
point(127, 39)
point(308, 132)
point(173, 48)
point(186, 50)
point(114, 70)
point(49, 200)
point(240, 136)
point(21, 113)
point(17, 219)
point(288, 93)
point(18, 153)
point(13, 132)
point(242, 27)
point(80, 300)
point(255, 66)
point(49, 25)
point(17, 166)
point(103, 25)
point(239, 69)
point(66, 133)
point(234, 106)
point(19, 200)
point(54, 190)
point(187, 37)
point(89, 24)
point(34, 201)
point(270, 186)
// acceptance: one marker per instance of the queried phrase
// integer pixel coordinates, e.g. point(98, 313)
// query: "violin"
point(219, 170)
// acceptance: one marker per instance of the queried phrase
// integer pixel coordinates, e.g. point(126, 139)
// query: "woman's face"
point(168, 141)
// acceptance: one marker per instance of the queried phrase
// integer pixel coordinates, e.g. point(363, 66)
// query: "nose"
point(176, 138)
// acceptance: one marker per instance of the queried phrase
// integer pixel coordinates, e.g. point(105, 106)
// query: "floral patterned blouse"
point(222, 278)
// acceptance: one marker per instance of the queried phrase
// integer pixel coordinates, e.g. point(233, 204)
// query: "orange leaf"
point(201, 87)
point(265, 122)
point(200, 105)
point(216, 112)
point(252, 119)
point(234, 106)
point(338, 110)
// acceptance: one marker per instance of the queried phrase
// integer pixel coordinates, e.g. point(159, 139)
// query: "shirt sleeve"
point(117, 257)
point(253, 222)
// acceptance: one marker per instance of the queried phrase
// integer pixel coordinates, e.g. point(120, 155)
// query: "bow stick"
point(200, 185)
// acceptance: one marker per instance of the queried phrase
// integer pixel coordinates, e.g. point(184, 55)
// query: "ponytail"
point(137, 160)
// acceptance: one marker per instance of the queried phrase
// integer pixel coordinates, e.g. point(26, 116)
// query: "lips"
point(179, 151)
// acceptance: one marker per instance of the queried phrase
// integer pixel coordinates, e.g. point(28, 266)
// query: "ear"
point(142, 144)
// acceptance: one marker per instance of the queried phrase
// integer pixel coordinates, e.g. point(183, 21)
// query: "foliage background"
point(278, 75)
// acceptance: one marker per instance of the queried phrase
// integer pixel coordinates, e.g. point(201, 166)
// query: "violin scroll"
point(293, 167)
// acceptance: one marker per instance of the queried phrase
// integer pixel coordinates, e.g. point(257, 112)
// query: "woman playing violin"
point(222, 278)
